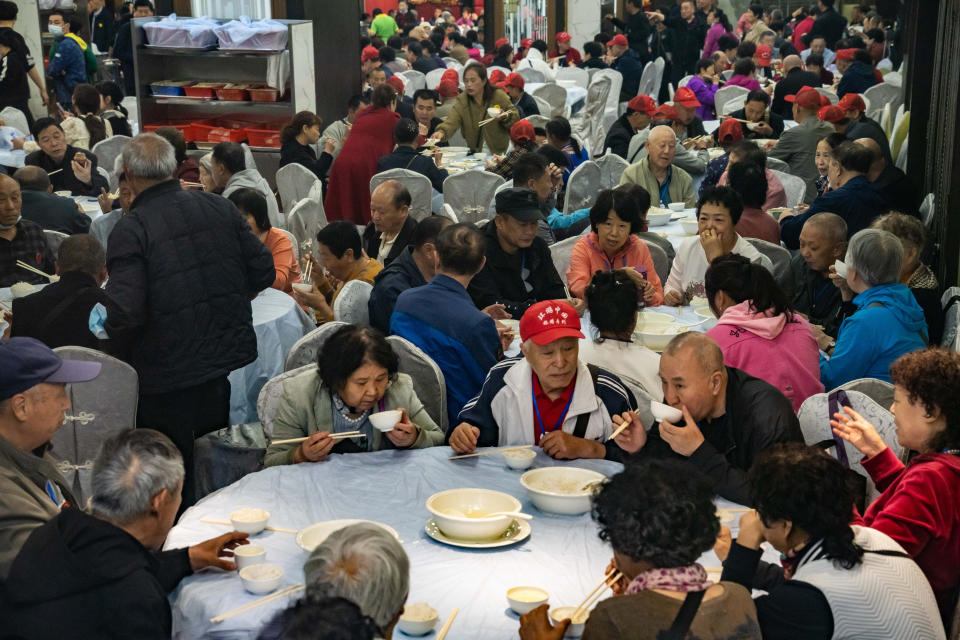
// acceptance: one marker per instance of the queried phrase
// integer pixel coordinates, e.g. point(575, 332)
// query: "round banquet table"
point(563, 554)
point(672, 231)
point(278, 322)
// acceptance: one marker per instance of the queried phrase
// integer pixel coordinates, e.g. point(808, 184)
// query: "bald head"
point(661, 132)
point(791, 62)
point(32, 178)
point(661, 147)
point(704, 350)
point(877, 162)
point(832, 226)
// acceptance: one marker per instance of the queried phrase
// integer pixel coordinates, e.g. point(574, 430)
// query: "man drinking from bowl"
point(548, 397)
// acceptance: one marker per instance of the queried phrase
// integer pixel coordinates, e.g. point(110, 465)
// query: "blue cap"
point(27, 362)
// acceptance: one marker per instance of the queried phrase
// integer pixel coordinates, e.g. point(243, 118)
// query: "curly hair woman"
point(920, 503)
point(659, 518)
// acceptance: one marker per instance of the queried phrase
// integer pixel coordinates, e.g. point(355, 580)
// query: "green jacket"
point(305, 408)
point(681, 184)
point(467, 113)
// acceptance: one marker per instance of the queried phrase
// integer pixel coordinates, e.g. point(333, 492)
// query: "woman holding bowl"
point(356, 375)
point(473, 106)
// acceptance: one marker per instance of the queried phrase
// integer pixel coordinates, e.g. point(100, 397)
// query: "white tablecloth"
point(576, 95)
point(279, 322)
point(673, 231)
point(563, 555)
point(12, 158)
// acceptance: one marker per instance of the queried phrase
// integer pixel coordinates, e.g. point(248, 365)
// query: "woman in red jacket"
point(371, 137)
point(920, 503)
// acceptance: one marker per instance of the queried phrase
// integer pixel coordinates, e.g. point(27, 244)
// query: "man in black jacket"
point(391, 228)
point(405, 156)
point(636, 28)
point(103, 31)
point(828, 25)
point(731, 417)
point(890, 181)
point(44, 207)
point(689, 33)
point(593, 56)
point(69, 168)
point(793, 78)
point(183, 267)
point(519, 269)
point(102, 575)
point(823, 241)
point(123, 47)
point(639, 113)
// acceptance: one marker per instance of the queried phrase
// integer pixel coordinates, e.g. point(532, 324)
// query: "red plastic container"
point(186, 128)
point(233, 95)
point(203, 132)
point(208, 90)
point(263, 138)
point(264, 94)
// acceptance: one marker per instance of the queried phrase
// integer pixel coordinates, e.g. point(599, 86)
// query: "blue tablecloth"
point(563, 555)
point(279, 322)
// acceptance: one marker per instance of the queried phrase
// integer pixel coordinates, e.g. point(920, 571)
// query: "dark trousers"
point(184, 415)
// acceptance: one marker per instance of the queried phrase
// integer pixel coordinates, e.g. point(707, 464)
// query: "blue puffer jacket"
point(888, 323)
point(68, 68)
point(858, 78)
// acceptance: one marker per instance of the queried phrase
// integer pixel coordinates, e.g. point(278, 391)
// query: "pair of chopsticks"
point(737, 119)
point(486, 453)
point(50, 173)
point(192, 184)
point(336, 436)
point(256, 603)
point(307, 270)
point(608, 581)
point(489, 120)
point(623, 426)
point(230, 524)
point(27, 267)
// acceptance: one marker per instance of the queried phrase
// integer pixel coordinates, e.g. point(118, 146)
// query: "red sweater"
point(920, 509)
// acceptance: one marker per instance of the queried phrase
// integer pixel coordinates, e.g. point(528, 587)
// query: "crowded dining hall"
point(479, 319)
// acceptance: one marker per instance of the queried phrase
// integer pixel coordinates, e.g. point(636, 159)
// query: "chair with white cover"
point(108, 150)
point(469, 193)
point(413, 81)
point(493, 201)
point(447, 212)
point(880, 95)
point(538, 120)
point(560, 252)
point(428, 381)
point(351, 303)
point(661, 263)
point(574, 74)
point(927, 211)
point(294, 182)
point(99, 409)
point(612, 167)
point(308, 217)
point(778, 165)
point(421, 191)
point(531, 75)
point(589, 123)
point(293, 243)
point(780, 258)
point(556, 97)
point(13, 117)
point(54, 238)
point(830, 93)
point(583, 186)
point(683, 81)
point(950, 302)
point(661, 66)
point(648, 81)
point(886, 120)
point(453, 63)
point(880, 391)
point(433, 78)
point(105, 174)
point(305, 350)
point(726, 75)
point(815, 414)
point(794, 188)
point(726, 94)
point(543, 106)
point(733, 104)
point(268, 401)
point(612, 109)
point(902, 157)
point(504, 70)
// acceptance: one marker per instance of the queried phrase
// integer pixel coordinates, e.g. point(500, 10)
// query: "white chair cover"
point(269, 399)
point(413, 80)
point(448, 213)
point(453, 63)
point(778, 165)
point(54, 238)
point(612, 109)
point(305, 350)
point(590, 123)
point(99, 409)
point(733, 104)
point(726, 75)
point(433, 78)
point(661, 65)
point(308, 217)
point(560, 252)
point(15, 118)
point(105, 174)
point(901, 161)
point(636, 150)
point(830, 93)
point(469, 193)
point(612, 167)
point(107, 152)
point(493, 201)
point(293, 242)
point(351, 303)
point(543, 106)
point(428, 381)
point(794, 188)
point(886, 120)
point(556, 97)
point(950, 302)
point(582, 187)
point(574, 74)
point(294, 182)
point(531, 75)
point(648, 81)
point(505, 71)
point(421, 191)
point(927, 211)
point(726, 94)
point(880, 391)
point(661, 263)
point(683, 81)
point(780, 258)
point(538, 120)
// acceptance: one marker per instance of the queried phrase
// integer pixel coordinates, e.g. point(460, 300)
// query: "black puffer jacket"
point(183, 267)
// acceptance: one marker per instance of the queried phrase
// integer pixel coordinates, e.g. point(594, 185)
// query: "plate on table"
point(309, 538)
point(518, 531)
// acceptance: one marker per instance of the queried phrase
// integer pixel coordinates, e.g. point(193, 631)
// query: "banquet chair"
point(726, 75)
point(886, 120)
point(504, 70)
point(351, 303)
point(13, 117)
point(531, 75)
point(293, 242)
point(307, 217)
point(99, 409)
point(814, 416)
point(469, 193)
point(881, 95)
point(830, 93)
point(648, 81)
point(543, 106)
point(560, 252)
point(794, 188)
point(413, 80)
point(428, 381)
point(305, 350)
point(661, 263)
point(637, 148)
point(611, 167)
point(108, 150)
point(226, 455)
point(733, 104)
point(589, 122)
point(928, 211)
point(453, 63)
point(652, 238)
point(556, 97)
point(780, 258)
point(726, 94)
point(661, 66)
point(421, 191)
point(105, 174)
point(582, 187)
point(950, 301)
point(779, 165)
point(447, 212)
point(249, 162)
point(54, 238)
point(269, 399)
point(611, 111)
point(574, 74)
point(880, 391)
point(902, 158)
point(537, 120)
point(683, 81)
point(294, 182)
point(493, 201)
point(433, 78)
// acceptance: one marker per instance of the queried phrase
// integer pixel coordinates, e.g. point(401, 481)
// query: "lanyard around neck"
point(536, 409)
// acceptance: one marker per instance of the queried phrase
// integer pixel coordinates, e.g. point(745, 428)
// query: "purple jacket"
point(705, 93)
point(714, 34)
point(743, 81)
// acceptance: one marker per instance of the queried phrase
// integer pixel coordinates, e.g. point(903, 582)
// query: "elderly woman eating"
point(357, 374)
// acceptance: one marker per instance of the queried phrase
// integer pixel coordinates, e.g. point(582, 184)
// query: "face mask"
point(7, 227)
point(55, 30)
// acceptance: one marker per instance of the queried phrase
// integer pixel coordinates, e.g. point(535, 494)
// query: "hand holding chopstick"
point(282, 593)
point(609, 580)
point(335, 436)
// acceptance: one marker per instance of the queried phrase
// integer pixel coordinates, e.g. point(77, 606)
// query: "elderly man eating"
point(20, 240)
point(70, 169)
point(729, 417)
point(664, 182)
point(392, 226)
point(548, 397)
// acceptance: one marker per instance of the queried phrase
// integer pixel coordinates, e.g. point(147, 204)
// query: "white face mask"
point(55, 30)
point(7, 227)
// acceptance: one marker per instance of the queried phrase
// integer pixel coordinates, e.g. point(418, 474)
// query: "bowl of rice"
point(563, 490)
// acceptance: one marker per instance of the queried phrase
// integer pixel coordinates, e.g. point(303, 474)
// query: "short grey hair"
point(877, 256)
point(206, 161)
point(365, 564)
point(130, 470)
point(150, 157)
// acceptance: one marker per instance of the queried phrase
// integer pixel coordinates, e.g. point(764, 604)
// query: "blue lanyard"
point(665, 188)
point(536, 409)
point(623, 261)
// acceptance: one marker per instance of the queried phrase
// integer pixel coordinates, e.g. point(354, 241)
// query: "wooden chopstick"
point(256, 603)
point(230, 524)
point(336, 436)
point(50, 173)
point(486, 453)
point(446, 625)
point(608, 581)
point(622, 427)
point(27, 267)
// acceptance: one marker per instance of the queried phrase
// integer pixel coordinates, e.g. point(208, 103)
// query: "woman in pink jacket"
point(758, 331)
point(719, 27)
point(613, 246)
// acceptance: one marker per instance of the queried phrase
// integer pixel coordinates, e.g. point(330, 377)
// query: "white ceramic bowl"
point(248, 555)
point(690, 226)
point(525, 599)
point(560, 489)
point(658, 337)
point(658, 219)
point(459, 513)
point(309, 538)
point(575, 630)
point(385, 420)
point(303, 287)
point(64, 194)
point(677, 206)
point(261, 578)
point(698, 302)
point(249, 520)
point(705, 312)
point(418, 619)
point(493, 112)
point(662, 411)
point(519, 459)
point(841, 268)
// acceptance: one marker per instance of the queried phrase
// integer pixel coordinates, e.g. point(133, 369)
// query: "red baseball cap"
point(831, 114)
point(548, 321)
point(525, 43)
point(852, 102)
point(643, 104)
point(846, 54)
point(666, 112)
point(824, 101)
point(451, 74)
point(396, 83)
point(369, 53)
point(497, 77)
point(521, 131)
point(448, 88)
point(563, 36)
point(763, 55)
point(730, 131)
point(500, 42)
point(686, 97)
point(514, 80)
point(807, 97)
point(619, 39)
